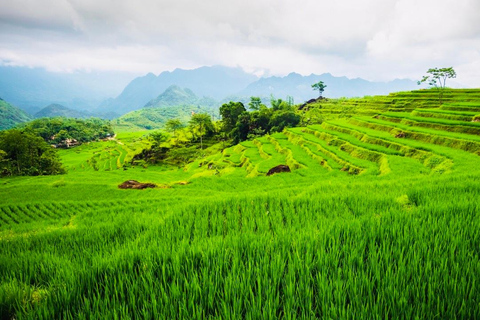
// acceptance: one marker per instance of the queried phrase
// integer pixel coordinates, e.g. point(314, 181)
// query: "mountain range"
point(110, 93)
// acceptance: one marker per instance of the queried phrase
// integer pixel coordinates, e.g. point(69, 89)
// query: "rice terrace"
point(257, 160)
point(378, 218)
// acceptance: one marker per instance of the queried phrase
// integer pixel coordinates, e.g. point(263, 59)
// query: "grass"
point(367, 225)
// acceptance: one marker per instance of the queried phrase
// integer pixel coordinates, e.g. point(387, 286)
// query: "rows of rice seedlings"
point(445, 114)
point(301, 155)
point(289, 156)
point(309, 149)
point(274, 159)
point(431, 160)
point(465, 106)
point(433, 123)
point(318, 142)
point(443, 138)
point(359, 251)
point(437, 157)
point(364, 159)
point(233, 155)
point(250, 158)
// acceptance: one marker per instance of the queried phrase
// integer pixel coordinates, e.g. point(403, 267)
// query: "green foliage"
point(230, 113)
point(153, 118)
point(437, 77)
point(56, 130)
point(173, 125)
point(283, 119)
point(201, 124)
point(23, 153)
point(378, 216)
point(10, 116)
point(320, 86)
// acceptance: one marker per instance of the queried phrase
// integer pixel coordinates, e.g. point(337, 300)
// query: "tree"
point(173, 125)
point(24, 153)
point(282, 119)
point(437, 77)
point(230, 113)
point(201, 122)
point(320, 86)
point(255, 103)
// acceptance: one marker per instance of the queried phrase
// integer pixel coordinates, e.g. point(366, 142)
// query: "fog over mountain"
point(113, 94)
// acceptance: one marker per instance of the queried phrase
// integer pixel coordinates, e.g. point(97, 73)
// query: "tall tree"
point(24, 153)
point(230, 113)
point(437, 78)
point(255, 103)
point(320, 86)
point(201, 122)
point(173, 125)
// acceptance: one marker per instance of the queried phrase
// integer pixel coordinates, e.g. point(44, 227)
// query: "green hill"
point(57, 110)
point(11, 116)
point(176, 96)
point(378, 218)
point(175, 102)
point(155, 118)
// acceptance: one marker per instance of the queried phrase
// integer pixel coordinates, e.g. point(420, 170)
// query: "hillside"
point(155, 117)
point(378, 218)
point(57, 110)
point(216, 82)
point(33, 88)
point(176, 96)
point(11, 116)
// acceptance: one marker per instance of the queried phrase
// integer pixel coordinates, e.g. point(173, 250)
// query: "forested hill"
point(11, 115)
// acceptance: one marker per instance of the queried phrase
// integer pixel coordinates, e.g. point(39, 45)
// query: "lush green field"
point(379, 218)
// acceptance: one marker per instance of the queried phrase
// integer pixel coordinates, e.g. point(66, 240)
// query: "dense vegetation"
point(23, 153)
point(379, 218)
point(10, 116)
point(56, 130)
point(155, 118)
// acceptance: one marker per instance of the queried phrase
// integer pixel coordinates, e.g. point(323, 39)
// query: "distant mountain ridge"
point(33, 88)
point(10, 115)
point(176, 96)
point(300, 87)
point(224, 83)
point(216, 82)
point(57, 110)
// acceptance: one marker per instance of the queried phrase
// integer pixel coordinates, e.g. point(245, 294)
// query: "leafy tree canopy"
point(24, 153)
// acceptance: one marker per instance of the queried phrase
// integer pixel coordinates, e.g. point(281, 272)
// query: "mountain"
point(156, 117)
point(300, 87)
point(57, 110)
point(216, 82)
point(32, 88)
point(176, 96)
point(174, 102)
point(11, 115)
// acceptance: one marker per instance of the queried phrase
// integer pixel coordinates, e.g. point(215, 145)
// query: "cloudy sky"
point(372, 39)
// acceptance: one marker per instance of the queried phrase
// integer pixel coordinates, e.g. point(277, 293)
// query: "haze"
point(378, 40)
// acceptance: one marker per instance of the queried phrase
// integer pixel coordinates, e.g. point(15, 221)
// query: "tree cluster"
point(239, 124)
point(24, 153)
point(56, 130)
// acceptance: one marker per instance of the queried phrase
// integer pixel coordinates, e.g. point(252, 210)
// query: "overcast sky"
point(371, 39)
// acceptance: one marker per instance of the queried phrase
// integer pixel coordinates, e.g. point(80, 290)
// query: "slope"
point(11, 116)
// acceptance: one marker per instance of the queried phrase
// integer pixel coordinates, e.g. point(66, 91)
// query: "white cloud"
point(373, 39)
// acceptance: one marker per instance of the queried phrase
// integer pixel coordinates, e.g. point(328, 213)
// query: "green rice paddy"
point(379, 219)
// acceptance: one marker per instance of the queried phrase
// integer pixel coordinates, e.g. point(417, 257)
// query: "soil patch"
point(278, 169)
point(132, 184)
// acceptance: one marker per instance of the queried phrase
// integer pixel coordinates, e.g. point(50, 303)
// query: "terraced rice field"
point(378, 219)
